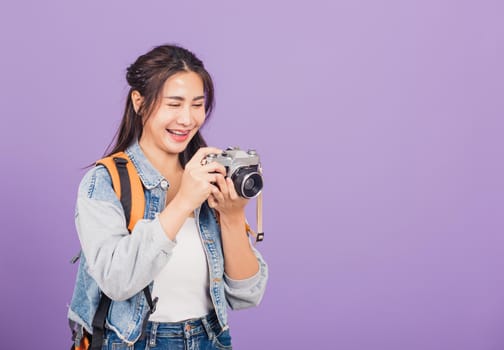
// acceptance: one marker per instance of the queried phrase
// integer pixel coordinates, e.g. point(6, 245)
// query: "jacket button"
point(164, 185)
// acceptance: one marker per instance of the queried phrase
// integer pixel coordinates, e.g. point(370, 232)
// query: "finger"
point(214, 191)
point(218, 196)
point(212, 178)
point(220, 186)
point(223, 186)
point(211, 201)
point(214, 167)
point(231, 189)
point(213, 198)
point(203, 152)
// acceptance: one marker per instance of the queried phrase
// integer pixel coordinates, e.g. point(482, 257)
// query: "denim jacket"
point(122, 264)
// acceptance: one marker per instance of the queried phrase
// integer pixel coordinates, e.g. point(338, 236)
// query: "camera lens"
point(252, 185)
point(248, 182)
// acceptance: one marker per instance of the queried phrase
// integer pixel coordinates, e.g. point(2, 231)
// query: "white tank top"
point(182, 285)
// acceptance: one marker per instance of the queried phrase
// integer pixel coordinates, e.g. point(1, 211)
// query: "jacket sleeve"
point(122, 264)
point(242, 294)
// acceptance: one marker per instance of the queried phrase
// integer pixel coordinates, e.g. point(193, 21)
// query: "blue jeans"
point(199, 334)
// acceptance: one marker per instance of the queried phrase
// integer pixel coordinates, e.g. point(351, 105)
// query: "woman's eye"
point(198, 105)
point(174, 104)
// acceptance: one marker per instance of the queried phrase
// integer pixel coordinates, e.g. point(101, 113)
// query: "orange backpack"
point(129, 189)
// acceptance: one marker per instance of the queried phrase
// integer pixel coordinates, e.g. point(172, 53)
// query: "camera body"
point(244, 169)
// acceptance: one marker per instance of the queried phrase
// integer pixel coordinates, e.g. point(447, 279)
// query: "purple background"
point(380, 129)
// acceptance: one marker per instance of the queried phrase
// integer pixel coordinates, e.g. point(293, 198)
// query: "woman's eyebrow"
point(180, 98)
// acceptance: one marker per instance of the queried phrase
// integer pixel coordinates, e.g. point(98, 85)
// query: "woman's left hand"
point(225, 200)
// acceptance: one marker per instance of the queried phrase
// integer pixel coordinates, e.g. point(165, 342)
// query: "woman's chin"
point(175, 148)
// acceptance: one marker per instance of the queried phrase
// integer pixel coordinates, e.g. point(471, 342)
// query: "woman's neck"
point(167, 164)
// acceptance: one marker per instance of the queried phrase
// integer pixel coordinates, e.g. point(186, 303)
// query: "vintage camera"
point(243, 168)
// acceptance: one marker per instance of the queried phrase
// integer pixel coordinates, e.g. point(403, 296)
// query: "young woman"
point(191, 248)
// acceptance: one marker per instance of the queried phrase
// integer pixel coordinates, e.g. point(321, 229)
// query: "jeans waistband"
point(186, 328)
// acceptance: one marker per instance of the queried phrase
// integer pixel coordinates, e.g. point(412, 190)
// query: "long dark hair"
point(147, 75)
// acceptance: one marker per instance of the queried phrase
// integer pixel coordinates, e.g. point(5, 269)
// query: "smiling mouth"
point(178, 132)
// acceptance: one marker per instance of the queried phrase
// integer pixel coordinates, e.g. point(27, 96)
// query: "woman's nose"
point(184, 116)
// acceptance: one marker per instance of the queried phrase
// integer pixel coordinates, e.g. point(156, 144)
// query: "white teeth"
point(181, 133)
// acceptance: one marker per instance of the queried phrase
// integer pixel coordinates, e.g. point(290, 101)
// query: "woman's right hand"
point(198, 181)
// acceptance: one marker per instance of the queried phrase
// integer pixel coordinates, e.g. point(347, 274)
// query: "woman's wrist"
point(178, 203)
point(232, 219)
point(173, 217)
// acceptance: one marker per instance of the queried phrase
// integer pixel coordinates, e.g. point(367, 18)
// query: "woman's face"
point(180, 114)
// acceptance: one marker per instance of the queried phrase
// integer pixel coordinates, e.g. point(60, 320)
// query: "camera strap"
point(259, 236)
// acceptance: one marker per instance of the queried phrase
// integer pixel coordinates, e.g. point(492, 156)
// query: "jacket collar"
point(148, 174)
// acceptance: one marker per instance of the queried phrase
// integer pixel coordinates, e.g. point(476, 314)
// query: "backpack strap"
point(99, 323)
point(129, 190)
point(127, 186)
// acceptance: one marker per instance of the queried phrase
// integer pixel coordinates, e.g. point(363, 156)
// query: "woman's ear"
point(137, 100)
